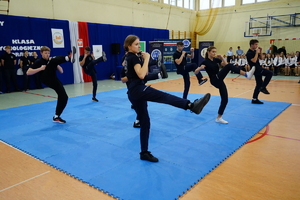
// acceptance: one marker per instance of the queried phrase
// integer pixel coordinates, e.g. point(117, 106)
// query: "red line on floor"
point(235, 78)
point(262, 135)
point(40, 95)
point(283, 137)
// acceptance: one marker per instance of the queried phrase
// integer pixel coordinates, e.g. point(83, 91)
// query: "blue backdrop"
point(31, 33)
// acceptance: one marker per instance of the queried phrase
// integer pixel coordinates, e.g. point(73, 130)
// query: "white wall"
point(228, 29)
point(142, 13)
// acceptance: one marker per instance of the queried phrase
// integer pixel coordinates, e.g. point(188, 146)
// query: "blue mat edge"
point(116, 197)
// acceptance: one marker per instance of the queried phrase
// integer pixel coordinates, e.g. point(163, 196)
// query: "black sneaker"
point(136, 125)
point(256, 101)
point(199, 104)
point(94, 99)
point(164, 73)
point(104, 56)
point(203, 81)
point(59, 120)
point(264, 90)
point(71, 54)
point(146, 155)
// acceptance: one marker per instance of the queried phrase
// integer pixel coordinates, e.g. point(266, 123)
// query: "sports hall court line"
point(25, 181)
point(40, 95)
point(263, 134)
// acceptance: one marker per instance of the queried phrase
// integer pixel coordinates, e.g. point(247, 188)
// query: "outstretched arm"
point(31, 71)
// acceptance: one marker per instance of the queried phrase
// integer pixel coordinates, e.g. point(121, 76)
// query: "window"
point(192, 7)
point(253, 1)
point(207, 4)
point(248, 1)
point(173, 2)
point(166, 1)
point(229, 3)
point(186, 4)
point(216, 3)
point(179, 3)
point(204, 4)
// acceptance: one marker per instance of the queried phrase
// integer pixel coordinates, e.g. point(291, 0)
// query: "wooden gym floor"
point(268, 167)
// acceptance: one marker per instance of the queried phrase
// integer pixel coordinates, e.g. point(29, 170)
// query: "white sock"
point(55, 116)
point(159, 75)
point(137, 121)
point(67, 58)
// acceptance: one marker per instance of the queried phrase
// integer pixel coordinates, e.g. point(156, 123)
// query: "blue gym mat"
point(99, 146)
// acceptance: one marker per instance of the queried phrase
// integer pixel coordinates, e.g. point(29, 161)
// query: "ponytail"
point(209, 49)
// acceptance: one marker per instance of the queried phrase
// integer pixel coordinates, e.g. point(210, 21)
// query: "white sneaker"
point(250, 73)
point(221, 120)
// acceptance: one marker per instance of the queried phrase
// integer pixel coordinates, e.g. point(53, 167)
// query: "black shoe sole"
point(203, 81)
point(73, 54)
point(257, 102)
point(164, 71)
point(201, 103)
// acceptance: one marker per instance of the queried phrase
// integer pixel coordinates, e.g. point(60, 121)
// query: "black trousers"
point(54, 83)
point(38, 81)
point(90, 70)
point(139, 95)
point(27, 78)
point(1, 90)
point(186, 77)
point(218, 82)
point(258, 74)
point(10, 76)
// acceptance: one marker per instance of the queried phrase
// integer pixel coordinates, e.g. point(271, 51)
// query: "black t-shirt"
point(26, 61)
point(179, 67)
point(33, 59)
point(212, 67)
point(251, 54)
point(8, 60)
point(88, 59)
point(133, 79)
point(49, 71)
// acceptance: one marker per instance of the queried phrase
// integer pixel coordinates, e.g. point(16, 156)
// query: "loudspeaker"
point(115, 48)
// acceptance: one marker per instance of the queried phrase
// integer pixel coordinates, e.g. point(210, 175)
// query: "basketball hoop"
point(255, 35)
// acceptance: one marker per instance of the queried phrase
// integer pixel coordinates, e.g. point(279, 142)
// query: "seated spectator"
point(269, 62)
point(297, 66)
point(278, 63)
point(262, 60)
point(243, 64)
point(290, 62)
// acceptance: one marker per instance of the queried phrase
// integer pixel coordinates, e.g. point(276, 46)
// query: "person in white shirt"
point(289, 64)
point(278, 63)
point(229, 54)
point(297, 67)
point(234, 62)
point(243, 64)
point(269, 62)
point(262, 61)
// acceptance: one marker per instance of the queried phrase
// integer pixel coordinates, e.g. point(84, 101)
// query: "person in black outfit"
point(212, 65)
point(282, 49)
point(148, 77)
point(139, 93)
point(24, 64)
point(36, 76)
point(1, 91)
point(184, 68)
point(47, 67)
point(252, 58)
point(8, 62)
point(88, 62)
